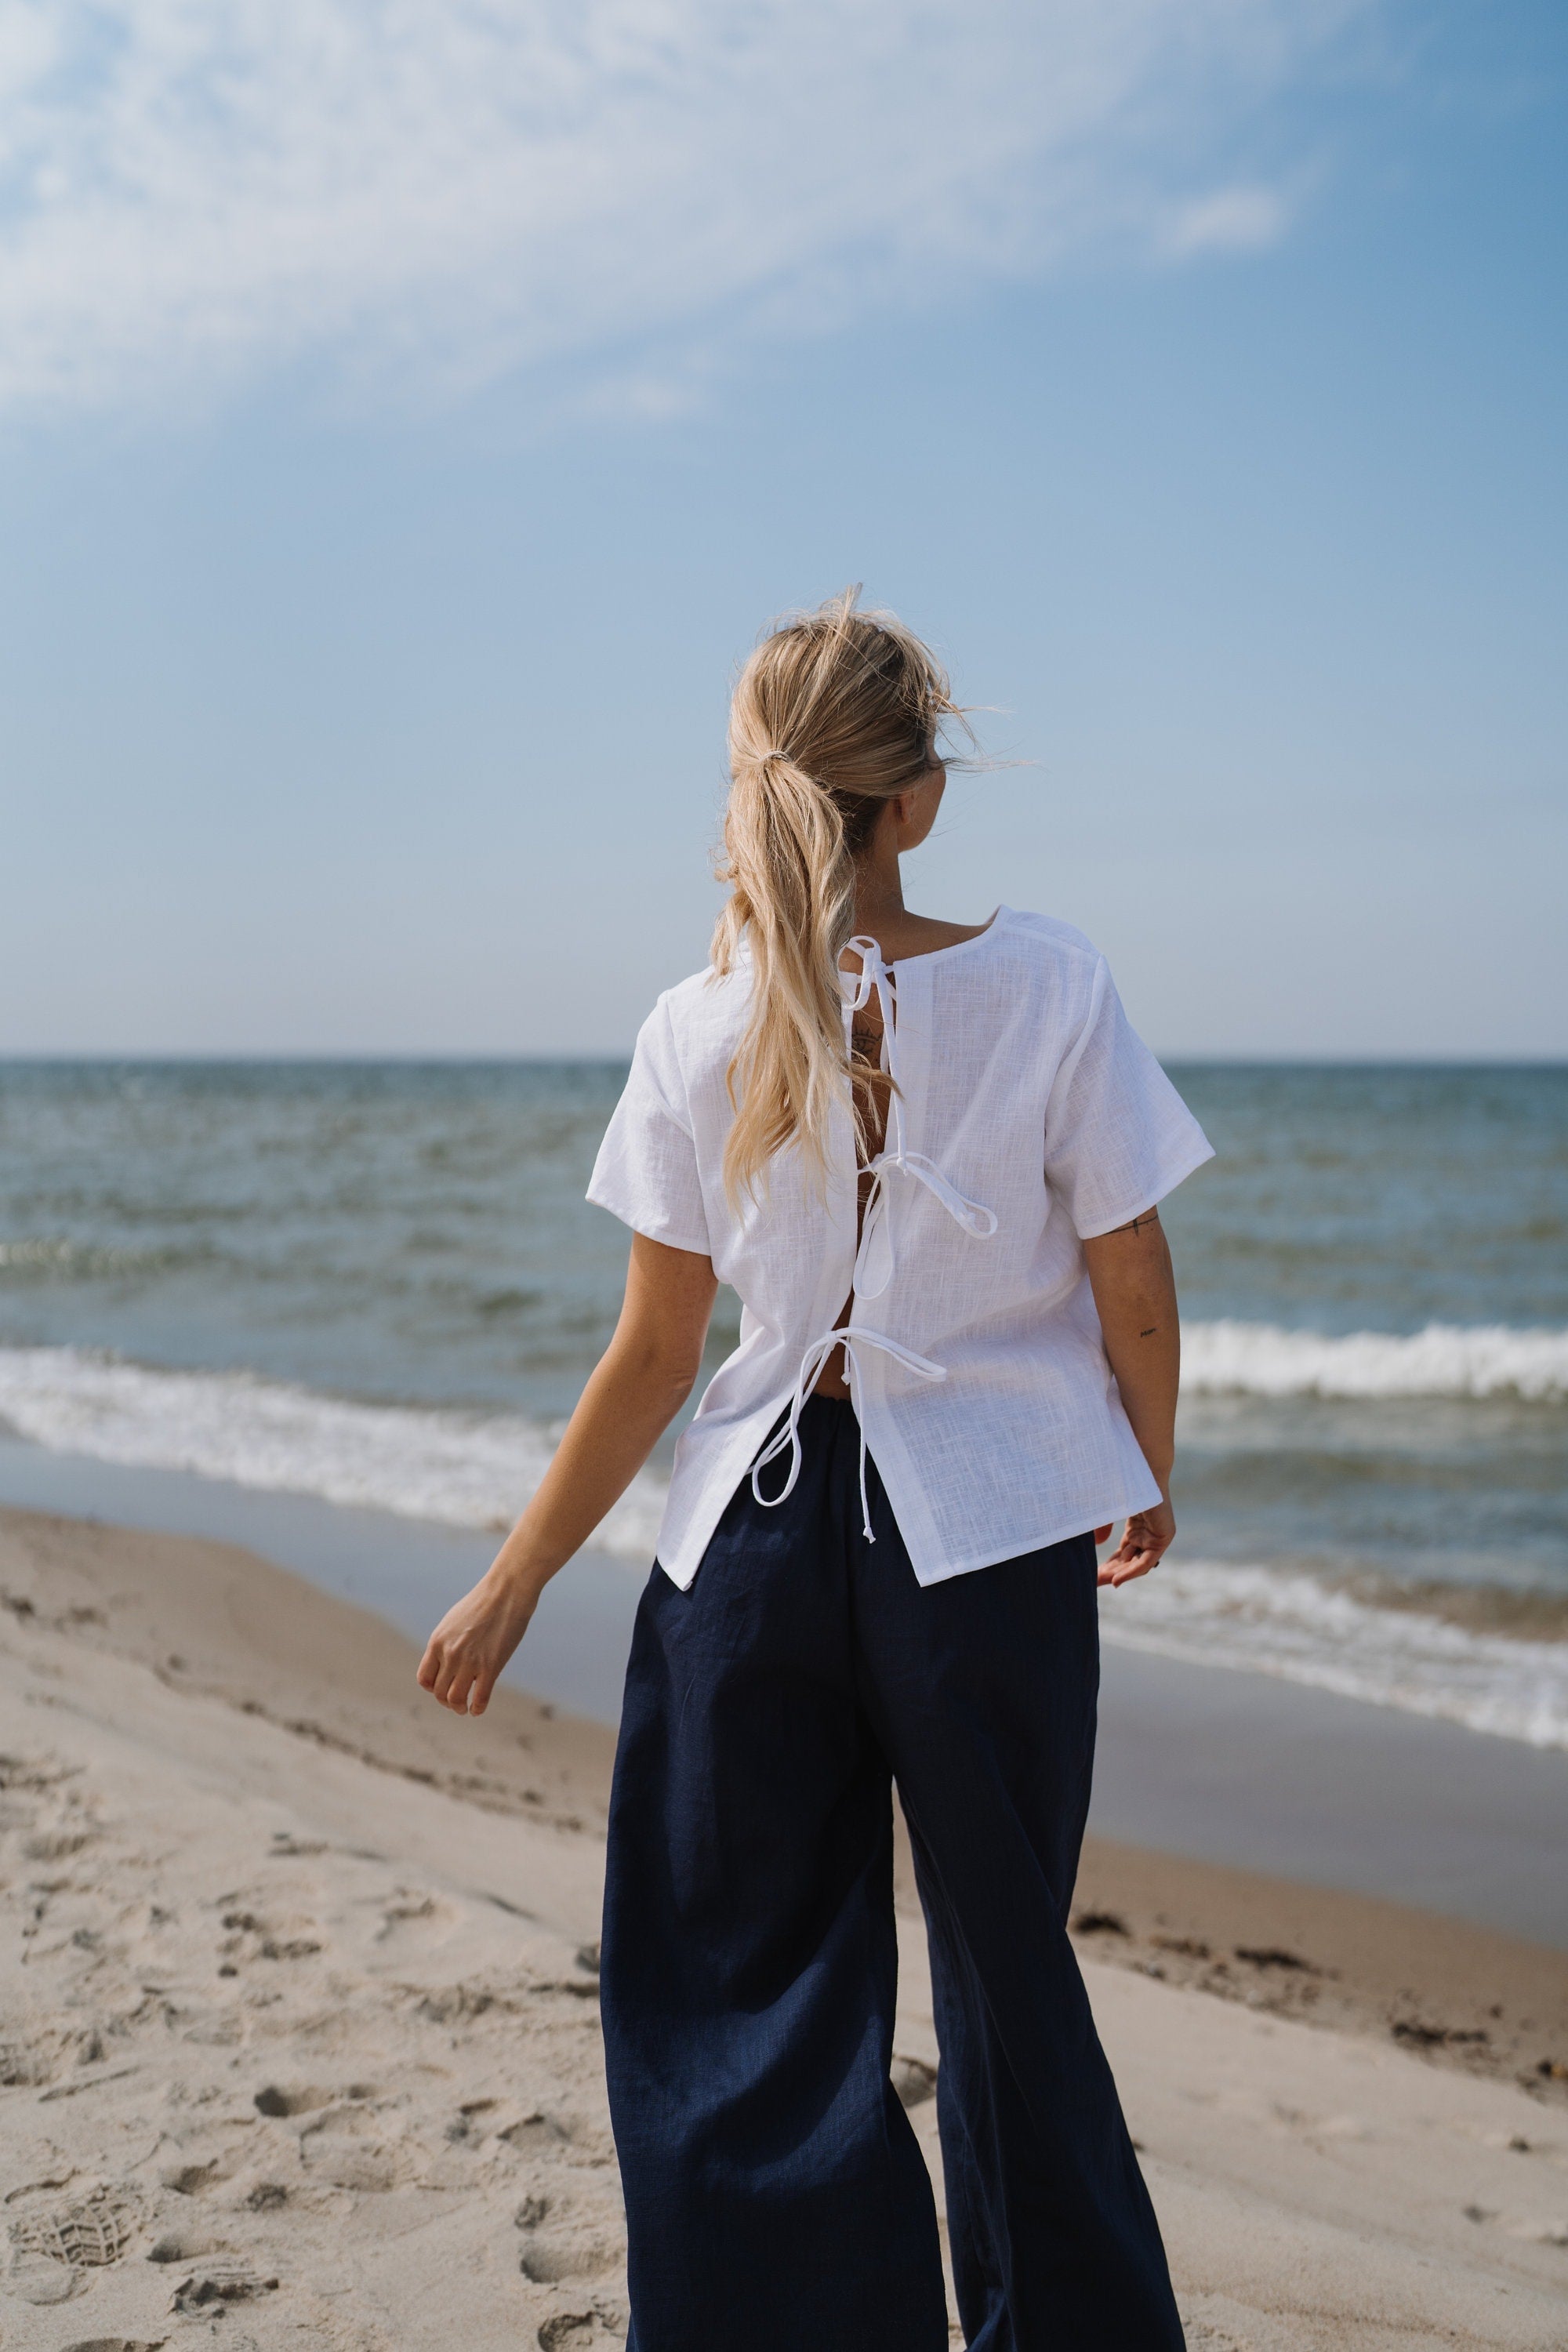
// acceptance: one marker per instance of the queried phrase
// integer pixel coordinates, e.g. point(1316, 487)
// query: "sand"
point(300, 2042)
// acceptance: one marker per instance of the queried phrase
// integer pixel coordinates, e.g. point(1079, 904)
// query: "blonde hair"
point(836, 712)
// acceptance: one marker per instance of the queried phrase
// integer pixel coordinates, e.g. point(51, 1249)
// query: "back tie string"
point(874, 1262)
point(787, 1440)
point(973, 1216)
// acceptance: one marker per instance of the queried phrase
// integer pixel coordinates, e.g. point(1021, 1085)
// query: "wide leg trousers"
point(776, 2198)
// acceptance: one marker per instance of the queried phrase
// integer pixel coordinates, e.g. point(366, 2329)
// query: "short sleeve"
point(647, 1172)
point(1118, 1135)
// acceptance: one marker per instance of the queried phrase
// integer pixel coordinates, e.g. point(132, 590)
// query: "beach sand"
point(300, 2042)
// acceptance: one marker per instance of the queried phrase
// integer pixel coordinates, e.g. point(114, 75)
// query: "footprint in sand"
point(22, 2066)
point(914, 2081)
point(57, 1845)
point(301, 2099)
point(348, 2142)
point(180, 2246)
point(353, 2148)
point(582, 2331)
point(456, 2004)
point(190, 2179)
point(54, 2248)
point(247, 1934)
point(550, 2261)
point(411, 1923)
point(118, 2344)
point(577, 2245)
point(217, 2286)
point(538, 2132)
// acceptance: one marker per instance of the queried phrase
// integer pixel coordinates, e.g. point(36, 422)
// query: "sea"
point(377, 1285)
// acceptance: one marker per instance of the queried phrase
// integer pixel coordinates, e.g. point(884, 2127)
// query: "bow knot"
point(787, 1439)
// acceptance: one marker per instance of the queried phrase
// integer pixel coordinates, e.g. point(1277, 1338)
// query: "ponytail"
point(834, 714)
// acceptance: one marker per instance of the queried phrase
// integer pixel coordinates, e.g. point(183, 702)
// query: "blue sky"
point(406, 420)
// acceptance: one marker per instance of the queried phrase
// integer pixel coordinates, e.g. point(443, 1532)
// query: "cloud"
point(434, 192)
point(1230, 220)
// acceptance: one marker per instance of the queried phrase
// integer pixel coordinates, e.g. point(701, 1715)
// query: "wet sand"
point(300, 2019)
point(1267, 1775)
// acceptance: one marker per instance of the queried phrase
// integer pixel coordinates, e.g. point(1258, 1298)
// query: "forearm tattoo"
point(1139, 1225)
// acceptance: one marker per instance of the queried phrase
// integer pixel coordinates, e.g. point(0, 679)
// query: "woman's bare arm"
point(634, 1391)
point(1135, 1293)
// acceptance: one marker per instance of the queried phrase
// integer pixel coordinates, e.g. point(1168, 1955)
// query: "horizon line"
point(461, 1057)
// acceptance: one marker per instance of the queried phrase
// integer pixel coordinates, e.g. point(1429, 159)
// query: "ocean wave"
point(459, 1469)
point(1445, 1359)
point(478, 1470)
point(87, 1260)
point(1274, 1622)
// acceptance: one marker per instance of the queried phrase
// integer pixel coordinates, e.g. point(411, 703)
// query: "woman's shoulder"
point(1051, 960)
point(700, 1018)
point(1046, 940)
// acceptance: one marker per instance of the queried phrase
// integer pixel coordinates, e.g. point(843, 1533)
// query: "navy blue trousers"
point(776, 2198)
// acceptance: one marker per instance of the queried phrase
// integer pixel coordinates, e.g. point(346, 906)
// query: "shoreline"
point(1218, 1762)
point(299, 1988)
point(1308, 1602)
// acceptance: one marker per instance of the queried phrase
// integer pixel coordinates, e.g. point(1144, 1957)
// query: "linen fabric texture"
point(1022, 1087)
point(776, 2196)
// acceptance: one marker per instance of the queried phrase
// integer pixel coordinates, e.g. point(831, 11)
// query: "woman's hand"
point(464, 1654)
point(1145, 1540)
point(633, 1392)
point(1135, 1297)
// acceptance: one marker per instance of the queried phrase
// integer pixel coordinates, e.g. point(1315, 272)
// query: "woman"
point(927, 1156)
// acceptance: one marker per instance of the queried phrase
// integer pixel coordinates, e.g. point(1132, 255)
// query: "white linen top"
point(1028, 1117)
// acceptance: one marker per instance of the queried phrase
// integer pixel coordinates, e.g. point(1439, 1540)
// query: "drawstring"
point(876, 1239)
point(875, 1250)
point(811, 1367)
point(874, 1258)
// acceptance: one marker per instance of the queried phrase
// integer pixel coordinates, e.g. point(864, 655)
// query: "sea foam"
point(1275, 1622)
point(460, 1469)
point(1445, 1359)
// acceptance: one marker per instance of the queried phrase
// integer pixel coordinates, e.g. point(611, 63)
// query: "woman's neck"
point(881, 915)
point(879, 897)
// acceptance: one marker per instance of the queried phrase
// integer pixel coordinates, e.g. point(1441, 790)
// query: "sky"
point(410, 415)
